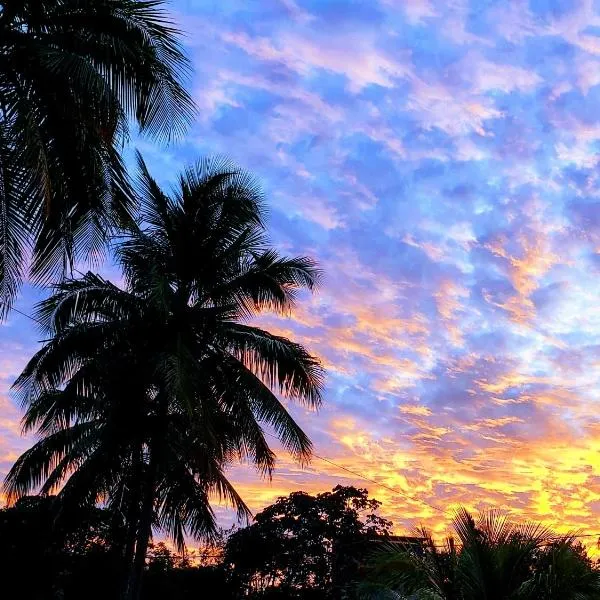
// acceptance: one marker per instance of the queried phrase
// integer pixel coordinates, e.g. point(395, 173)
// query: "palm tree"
point(496, 559)
point(144, 393)
point(424, 570)
point(562, 571)
point(497, 554)
point(73, 74)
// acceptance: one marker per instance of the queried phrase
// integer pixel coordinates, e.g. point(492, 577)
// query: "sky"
point(440, 161)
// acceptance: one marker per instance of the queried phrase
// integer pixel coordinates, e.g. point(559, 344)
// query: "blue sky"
point(440, 160)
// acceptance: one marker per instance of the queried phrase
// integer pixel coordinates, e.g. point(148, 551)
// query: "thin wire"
point(383, 485)
point(445, 512)
point(365, 478)
point(28, 316)
point(417, 500)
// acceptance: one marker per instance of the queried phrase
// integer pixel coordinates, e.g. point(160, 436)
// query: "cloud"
point(484, 75)
point(455, 113)
point(412, 409)
point(357, 59)
point(416, 11)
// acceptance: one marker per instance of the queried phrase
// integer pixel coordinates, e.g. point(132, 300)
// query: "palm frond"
point(35, 466)
point(72, 76)
point(247, 396)
point(281, 364)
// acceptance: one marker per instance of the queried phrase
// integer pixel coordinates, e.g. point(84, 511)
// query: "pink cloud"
point(483, 75)
point(456, 113)
point(357, 59)
point(314, 209)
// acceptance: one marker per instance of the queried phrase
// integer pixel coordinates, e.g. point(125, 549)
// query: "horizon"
point(439, 160)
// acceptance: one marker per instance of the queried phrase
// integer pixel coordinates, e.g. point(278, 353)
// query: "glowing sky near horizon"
point(440, 160)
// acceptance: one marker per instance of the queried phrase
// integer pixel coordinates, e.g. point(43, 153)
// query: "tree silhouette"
point(45, 553)
point(73, 74)
point(492, 557)
point(305, 546)
point(143, 394)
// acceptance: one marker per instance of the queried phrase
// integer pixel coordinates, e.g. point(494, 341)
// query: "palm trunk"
point(132, 522)
point(134, 587)
point(144, 529)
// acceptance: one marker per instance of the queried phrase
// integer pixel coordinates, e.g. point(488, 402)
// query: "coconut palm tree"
point(493, 558)
point(423, 570)
point(144, 392)
point(497, 554)
point(562, 571)
point(73, 74)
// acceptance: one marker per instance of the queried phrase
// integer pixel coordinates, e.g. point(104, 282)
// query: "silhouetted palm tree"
point(143, 394)
point(422, 571)
point(73, 73)
point(493, 558)
point(562, 571)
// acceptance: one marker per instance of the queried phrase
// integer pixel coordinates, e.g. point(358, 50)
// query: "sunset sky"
point(440, 161)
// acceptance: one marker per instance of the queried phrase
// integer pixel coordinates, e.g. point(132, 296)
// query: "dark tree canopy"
point(48, 554)
point(305, 546)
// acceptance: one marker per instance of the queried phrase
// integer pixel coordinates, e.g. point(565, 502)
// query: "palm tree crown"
point(493, 558)
point(144, 393)
point(73, 73)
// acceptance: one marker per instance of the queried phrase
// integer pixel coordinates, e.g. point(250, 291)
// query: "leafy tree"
point(172, 576)
point(47, 554)
point(73, 73)
point(493, 558)
point(144, 393)
point(305, 546)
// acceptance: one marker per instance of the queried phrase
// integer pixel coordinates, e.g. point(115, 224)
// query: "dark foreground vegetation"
point(329, 546)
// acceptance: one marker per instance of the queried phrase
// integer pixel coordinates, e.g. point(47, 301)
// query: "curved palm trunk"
point(134, 584)
point(144, 529)
point(132, 522)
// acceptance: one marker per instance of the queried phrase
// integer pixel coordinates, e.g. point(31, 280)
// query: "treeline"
point(302, 546)
point(329, 546)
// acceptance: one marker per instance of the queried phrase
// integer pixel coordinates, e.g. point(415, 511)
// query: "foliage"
point(562, 571)
point(73, 74)
point(493, 558)
point(46, 554)
point(171, 575)
point(144, 393)
point(305, 546)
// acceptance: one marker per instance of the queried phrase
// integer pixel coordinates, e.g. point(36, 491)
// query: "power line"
point(414, 499)
point(351, 471)
point(365, 478)
point(419, 500)
point(383, 485)
point(27, 316)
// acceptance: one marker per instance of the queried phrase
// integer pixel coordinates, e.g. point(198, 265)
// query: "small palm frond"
point(268, 282)
point(35, 466)
point(16, 187)
point(86, 300)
